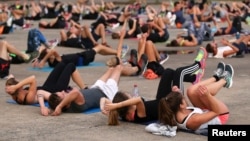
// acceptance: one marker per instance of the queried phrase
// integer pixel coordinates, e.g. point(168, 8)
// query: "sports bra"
point(182, 42)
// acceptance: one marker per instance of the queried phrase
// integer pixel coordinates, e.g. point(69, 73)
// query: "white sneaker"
point(158, 129)
point(53, 43)
point(9, 21)
point(125, 49)
point(114, 26)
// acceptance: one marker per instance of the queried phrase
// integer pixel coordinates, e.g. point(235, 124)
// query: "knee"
point(190, 91)
point(3, 43)
point(149, 43)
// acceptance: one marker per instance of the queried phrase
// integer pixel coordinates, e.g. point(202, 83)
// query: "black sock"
point(216, 77)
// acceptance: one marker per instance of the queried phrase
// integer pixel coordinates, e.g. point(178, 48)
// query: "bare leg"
point(103, 50)
point(87, 33)
point(212, 86)
point(50, 53)
point(76, 77)
point(129, 70)
point(141, 46)
point(201, 101)
point(100, 30)
point(63, 35)
point(151, 52)
point(7, 48)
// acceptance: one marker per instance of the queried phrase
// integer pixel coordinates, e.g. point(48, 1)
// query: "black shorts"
point(87, 43)
point(72, 42)
point(4, 68)
point(86, 57)
point(241, 46)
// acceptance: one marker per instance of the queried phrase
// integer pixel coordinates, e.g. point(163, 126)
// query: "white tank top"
point(214, 121)
point(221, 50)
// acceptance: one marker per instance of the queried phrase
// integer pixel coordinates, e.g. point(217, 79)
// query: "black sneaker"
point(220, 69)
point(163, 58)
point(143, 62)
point(133, 57)
point(228, 76)
point(32, 55)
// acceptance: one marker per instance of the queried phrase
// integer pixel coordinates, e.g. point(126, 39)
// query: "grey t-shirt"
point(92, 100)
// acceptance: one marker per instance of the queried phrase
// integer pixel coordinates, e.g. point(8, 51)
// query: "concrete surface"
point(24, 123)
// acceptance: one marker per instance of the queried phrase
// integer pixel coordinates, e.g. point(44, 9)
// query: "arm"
point(119, 48)
point(192, 43)
point(132, 30)
point(229, 52)
point(103, 101)
point(41, 97)
point(229, 25)
point(157, 27)
point(130, 102)
point(73, 95)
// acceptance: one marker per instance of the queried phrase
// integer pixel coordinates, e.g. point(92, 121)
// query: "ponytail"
point(168, 107)
point(113, 118)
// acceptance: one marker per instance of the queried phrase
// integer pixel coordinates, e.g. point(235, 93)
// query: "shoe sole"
point(163, 61)
point(133, 54)
point(145, 65)
point(230, 69)
point(125, 52)
point(203, 61)
point(221, 65)
point(199, 76)
point(33, 55)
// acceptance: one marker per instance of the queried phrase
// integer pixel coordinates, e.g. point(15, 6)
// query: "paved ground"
point(25, 122)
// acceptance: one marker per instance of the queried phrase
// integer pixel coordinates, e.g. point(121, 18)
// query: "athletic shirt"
point(92, 100)
point(220, 51)
point(195, 110)
point(179, 17)
point(151, 108)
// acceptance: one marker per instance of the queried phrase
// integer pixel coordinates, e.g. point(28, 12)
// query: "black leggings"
point(176, 77)
point(59, 78)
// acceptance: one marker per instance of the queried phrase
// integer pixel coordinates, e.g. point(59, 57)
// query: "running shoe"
point(143, 62)
point(202, 57)
point(163, 58)
point(133, 57)
point(220, 69)
point(228, 76)
point(199, 74)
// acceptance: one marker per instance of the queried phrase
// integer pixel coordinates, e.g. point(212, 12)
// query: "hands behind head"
point(224, 41)
point(10, 89)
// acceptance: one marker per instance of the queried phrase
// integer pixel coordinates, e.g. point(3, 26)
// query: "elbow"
point(33, 77)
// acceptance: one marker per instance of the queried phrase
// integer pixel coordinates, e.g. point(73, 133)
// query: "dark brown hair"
point(54, 100)
point(12, 81)
point(115, 35)
point(209, 48)
point(121, 112)
point(168, 107)
point(173, 43)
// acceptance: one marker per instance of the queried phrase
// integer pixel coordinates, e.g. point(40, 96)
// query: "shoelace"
point(218, 72)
